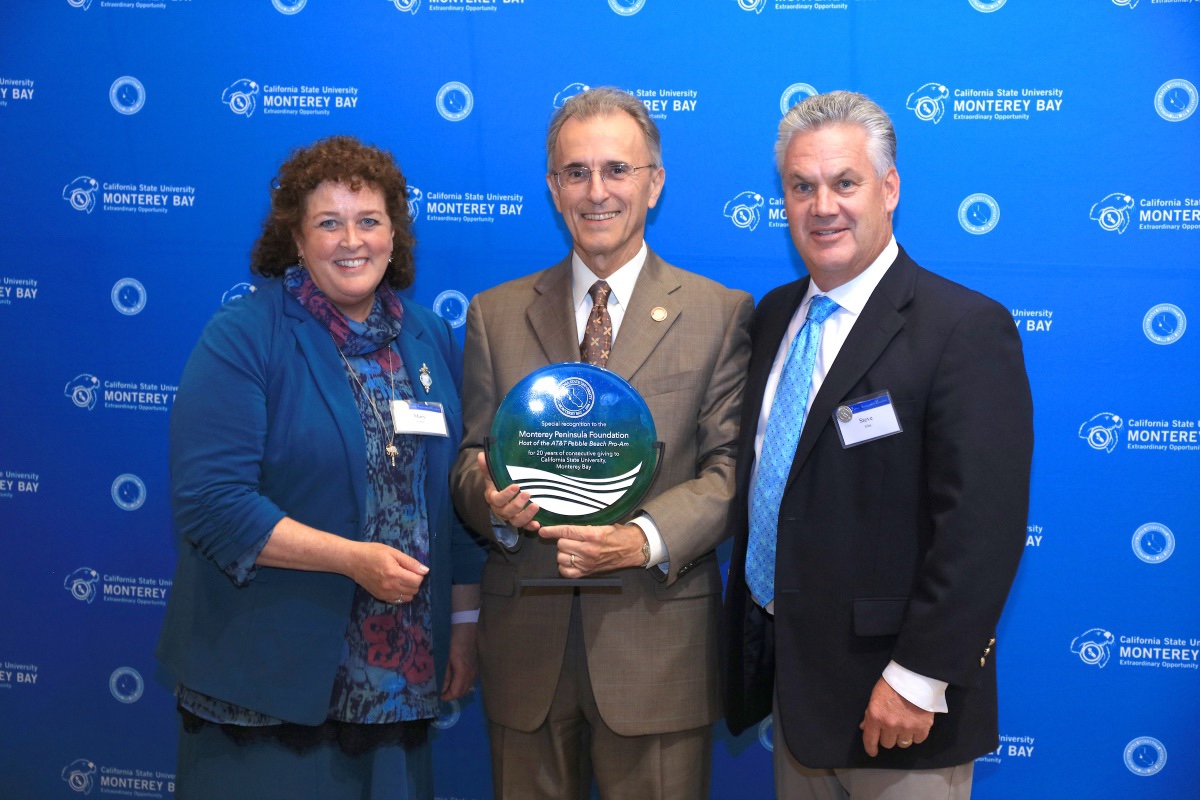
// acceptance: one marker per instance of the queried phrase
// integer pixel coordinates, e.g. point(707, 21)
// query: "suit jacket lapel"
point(880, 321)
point(417, 349)
point(551, 315)
point(636, 340)
point(770, 326)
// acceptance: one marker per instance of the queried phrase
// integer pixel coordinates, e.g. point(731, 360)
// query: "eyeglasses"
point(574, 177)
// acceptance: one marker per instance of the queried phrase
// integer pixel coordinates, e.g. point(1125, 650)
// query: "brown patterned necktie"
point(597, 336)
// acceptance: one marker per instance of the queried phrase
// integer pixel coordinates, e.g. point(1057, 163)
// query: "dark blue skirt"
point(211, 765)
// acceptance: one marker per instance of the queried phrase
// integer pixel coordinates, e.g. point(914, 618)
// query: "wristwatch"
point(645, 551)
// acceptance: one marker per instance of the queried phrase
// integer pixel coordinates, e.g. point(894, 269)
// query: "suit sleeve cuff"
point(926, 693)
point(505, 534)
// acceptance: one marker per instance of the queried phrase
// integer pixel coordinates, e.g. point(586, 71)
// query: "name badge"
point(425, 419)
point(866, 418)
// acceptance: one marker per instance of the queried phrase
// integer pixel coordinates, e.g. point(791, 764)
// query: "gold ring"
point(573, 561)
point(905, 742)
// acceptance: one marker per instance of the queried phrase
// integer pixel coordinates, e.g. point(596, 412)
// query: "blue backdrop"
point(1049, 158)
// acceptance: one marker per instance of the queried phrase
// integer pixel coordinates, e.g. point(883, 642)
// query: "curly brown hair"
point(340, 159)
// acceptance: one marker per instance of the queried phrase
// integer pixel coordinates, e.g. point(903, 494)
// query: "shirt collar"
point(620, 282)
point(853, 295)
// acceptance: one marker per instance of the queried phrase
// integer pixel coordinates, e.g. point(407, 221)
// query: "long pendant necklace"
point(391, 449)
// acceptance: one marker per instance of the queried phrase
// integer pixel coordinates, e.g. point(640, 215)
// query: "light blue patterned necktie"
point(779, 448)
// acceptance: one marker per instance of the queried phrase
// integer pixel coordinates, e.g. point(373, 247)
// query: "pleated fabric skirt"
point(213, 767)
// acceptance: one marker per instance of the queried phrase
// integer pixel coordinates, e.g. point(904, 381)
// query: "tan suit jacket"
point(652, 644)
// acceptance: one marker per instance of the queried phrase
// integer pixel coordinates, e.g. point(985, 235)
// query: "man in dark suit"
point(883, 488)
point(620, 682)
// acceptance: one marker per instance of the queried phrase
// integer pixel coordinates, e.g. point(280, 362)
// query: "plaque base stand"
point(582, 583)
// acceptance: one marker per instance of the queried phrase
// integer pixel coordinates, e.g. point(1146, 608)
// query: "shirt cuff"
point(658, 548)
point(464, 616)
point(244, 567)
point(926, 693)
point(505, 534)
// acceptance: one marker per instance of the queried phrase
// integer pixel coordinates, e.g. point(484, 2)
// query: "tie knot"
point(599, 292)
point(820, 308)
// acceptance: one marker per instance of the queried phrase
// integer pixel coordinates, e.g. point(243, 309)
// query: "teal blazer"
point(264, 425)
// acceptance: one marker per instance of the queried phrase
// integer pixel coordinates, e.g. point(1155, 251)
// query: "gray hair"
point(841, 108)
point(602, 102)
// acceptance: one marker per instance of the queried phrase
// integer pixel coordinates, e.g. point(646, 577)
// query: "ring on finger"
point(400, 600)
point(904, 742)
point(573, 561)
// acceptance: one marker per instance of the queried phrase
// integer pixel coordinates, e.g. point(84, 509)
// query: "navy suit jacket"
point(899, 548)
point(264, 425)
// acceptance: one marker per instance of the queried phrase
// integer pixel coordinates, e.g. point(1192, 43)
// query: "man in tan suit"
point(619, 684)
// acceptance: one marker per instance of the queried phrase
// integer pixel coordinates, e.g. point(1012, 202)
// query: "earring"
point(300, 260)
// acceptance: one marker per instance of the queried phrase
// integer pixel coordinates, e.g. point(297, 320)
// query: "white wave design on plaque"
point(572, 497)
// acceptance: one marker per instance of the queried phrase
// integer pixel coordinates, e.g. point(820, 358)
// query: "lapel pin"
point(426, 381)
point(658, 313)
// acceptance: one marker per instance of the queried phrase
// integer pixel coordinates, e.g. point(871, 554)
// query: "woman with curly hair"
point(325, 595)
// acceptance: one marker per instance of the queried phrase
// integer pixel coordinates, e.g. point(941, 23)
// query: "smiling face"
point(839, 210)
point(607, 220)
point(345, 239)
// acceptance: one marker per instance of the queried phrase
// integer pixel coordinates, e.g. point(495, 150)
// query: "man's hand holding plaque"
point(585, 550)
point(510, 505)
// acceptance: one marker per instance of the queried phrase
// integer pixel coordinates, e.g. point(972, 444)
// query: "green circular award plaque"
point(579, 439)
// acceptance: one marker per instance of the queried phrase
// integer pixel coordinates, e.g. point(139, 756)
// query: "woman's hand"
point(387, 573)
